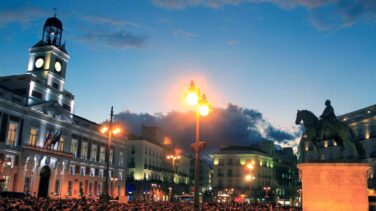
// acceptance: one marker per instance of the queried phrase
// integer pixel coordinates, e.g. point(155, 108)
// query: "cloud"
point(323, 14)
point(23, 16)
point(118, 39)
point(185, 34)
point(232, 125)
point(232, 42)
point(109, 21)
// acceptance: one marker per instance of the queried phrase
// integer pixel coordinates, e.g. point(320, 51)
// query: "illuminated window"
point(93, 152)
point(74, 148)
point(121, 160)
point(102, 154)
point(12, 133)
point(92, 172)
point(57, 187)
point(70, 184)
point(61, 144)
point(120, 175)
point(82, 170)
point(84, 150)
point(72, 170)
point(33, 136)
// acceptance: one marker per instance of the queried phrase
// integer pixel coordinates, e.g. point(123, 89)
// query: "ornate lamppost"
point(173, 158)
point(201, 104)
point(109, 129)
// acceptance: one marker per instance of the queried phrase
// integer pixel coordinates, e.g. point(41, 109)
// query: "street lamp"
point(109, 130)
point(195, 98)
point(266, 189)
point(173, 158)
point(249, 177)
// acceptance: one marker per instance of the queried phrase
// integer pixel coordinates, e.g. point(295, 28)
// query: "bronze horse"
point(339, 131)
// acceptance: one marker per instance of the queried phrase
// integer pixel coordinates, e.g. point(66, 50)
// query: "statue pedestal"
point(334, 186)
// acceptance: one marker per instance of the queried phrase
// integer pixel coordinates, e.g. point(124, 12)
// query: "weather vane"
point(55, 10)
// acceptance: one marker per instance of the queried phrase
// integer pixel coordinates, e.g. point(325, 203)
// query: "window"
point(27, 184)
point(121, 160)
point(57, 187)
point(71, 170)
point(80, 190)
point(12, 133)
point(70, 187)
point(101, 171)
point(36, 94)
point(90, 189)
point(61, 144)
point(82, 170)
point(74, 148)
point(55, 85)
point(84, 150)
point(93, 152)
point(120, 176)
point(33, 136)
point(111, 156)
point(99, 188)
point(133, 149)
point(102, 154)
point(92, 172)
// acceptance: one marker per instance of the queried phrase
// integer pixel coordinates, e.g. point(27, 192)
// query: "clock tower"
point(47, 65)
point(48, 57)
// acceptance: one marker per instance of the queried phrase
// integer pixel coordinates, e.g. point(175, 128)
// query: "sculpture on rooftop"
point(327, 128)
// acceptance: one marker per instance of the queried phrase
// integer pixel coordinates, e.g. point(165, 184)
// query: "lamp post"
point(267, 189)
point(249, 177)
point(195, 98)
point(110, 130)
point(173, 158)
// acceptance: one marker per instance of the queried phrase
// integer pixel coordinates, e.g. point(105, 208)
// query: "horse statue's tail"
point(358, 145)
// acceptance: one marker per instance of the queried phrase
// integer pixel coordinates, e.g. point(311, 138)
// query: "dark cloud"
point(232, 125)
point(118, 39)
point(323, 14)
point(23, 16)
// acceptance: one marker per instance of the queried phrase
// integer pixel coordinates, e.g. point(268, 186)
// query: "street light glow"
point(250, 166)
point(192, 98)
point(116, 131)
point(104, 129)
point(204, 110)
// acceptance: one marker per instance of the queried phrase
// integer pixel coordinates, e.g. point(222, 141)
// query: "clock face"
point(39, 63)
point(57, 66)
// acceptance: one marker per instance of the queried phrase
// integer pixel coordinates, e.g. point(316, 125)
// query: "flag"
point(56, 138)
point(48, 139)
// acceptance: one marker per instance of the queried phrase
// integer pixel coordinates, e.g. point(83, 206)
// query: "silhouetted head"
point(327, 102)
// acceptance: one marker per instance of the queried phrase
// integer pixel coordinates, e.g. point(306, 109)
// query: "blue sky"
point(275, 57)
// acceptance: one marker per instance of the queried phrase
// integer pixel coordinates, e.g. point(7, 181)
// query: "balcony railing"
point(47, 151)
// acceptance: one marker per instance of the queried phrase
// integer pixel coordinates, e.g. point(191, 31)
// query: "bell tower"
point(47, 64)
point(48, 57)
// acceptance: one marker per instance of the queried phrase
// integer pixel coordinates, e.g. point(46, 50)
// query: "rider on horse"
point(328, 118)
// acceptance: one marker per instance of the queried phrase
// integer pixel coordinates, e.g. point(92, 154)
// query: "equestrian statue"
point(329, 127)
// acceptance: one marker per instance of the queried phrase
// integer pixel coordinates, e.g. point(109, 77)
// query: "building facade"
point(257, 172)
point(151, 175)
point(45, 149)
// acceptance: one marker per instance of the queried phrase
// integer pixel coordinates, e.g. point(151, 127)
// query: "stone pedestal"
point(334, 186)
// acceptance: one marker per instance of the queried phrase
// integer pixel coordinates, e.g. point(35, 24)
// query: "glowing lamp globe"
point(192, 98)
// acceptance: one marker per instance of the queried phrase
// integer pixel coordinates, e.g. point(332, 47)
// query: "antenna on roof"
point(55, 10)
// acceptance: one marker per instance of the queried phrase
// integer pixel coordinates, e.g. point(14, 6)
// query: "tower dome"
point(52, 31)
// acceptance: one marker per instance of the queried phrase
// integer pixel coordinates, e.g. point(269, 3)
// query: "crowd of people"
point(39, 204)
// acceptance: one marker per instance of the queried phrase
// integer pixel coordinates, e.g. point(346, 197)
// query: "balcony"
point(46, 151)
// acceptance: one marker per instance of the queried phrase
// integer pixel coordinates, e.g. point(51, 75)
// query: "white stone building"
point(45, 149)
